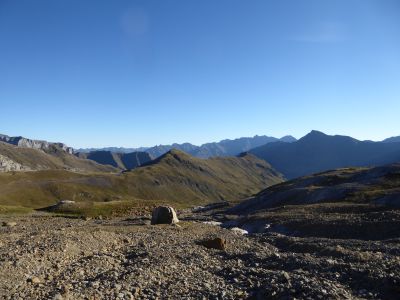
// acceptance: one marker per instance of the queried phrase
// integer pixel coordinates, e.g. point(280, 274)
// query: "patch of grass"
point(106, 209)
point(14, 210)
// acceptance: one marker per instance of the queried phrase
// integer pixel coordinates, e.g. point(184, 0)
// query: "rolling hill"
point(376, 186)
point(176, 177)
point(317, 152)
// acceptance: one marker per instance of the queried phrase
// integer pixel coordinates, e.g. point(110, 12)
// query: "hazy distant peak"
point(393, 139)
point(288, 139)
point(315, 135)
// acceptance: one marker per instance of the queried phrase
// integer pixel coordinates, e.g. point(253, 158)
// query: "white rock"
point(239, 231)
point(214, 223)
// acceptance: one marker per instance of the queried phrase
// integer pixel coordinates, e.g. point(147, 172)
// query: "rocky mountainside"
point(123, 161)
point(318, 152)
point(176, 178)
point(20, 141)
point(376, 186)
point(20, 158)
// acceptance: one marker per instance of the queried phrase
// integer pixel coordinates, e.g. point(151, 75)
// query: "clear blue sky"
point(139, 73)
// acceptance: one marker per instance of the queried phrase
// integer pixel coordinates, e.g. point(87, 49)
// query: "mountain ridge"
point(20, 141)
point(317, 152)
point(226, 147)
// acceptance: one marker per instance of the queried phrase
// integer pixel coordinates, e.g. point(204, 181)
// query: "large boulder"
point(164, 215)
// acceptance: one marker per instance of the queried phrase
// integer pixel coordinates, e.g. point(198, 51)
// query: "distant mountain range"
point(317, 152)
point(223, 148)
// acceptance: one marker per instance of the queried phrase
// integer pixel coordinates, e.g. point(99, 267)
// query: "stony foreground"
point(44, 257)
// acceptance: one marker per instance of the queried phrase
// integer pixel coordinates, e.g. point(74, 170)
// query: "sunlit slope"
point(175, 177)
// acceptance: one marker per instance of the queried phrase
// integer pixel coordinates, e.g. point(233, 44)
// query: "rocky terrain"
point(48, 257)
point(7, 164)
point(20, 141)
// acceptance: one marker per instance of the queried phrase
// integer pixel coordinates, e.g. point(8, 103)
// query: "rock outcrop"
point(21, 158)
point(164, 215)
point(7, 164)
point(20, 141)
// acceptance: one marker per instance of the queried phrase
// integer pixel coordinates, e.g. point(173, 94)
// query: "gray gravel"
point(44, 257)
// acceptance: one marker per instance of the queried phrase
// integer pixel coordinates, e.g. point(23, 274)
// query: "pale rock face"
point(34, 144)
point(164, 215)
point(7, 165)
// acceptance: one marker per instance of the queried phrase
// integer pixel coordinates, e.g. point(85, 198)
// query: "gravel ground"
point(45, 257)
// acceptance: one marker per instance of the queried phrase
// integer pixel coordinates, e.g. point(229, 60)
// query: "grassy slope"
point(347, 185)
point(55, 159)
point(176, 178)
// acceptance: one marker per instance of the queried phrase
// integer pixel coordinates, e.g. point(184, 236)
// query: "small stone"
point(58, 297)
point(34, 280)
point(216, 243)
point(286, 275)
point(9, 224)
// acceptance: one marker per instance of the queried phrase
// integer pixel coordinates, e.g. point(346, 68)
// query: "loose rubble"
point(47, 257)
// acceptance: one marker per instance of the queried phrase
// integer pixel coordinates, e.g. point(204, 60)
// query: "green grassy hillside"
point(175, 177)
